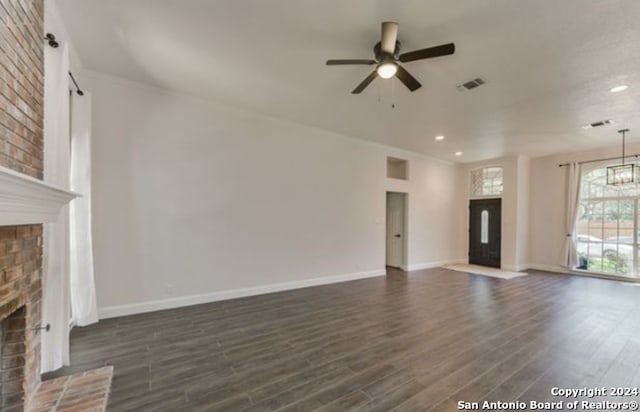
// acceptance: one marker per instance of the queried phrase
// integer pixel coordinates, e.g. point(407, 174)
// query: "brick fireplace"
point(12, 353)
point(21, 150)
point(20, 295)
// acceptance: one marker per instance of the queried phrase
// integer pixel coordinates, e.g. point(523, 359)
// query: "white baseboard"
point(154, 305)
point(551, 268)
point(430, 265)
point(516, 268)
point(565, 271)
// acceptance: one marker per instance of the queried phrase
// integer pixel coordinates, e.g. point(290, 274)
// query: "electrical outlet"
point(169, 289)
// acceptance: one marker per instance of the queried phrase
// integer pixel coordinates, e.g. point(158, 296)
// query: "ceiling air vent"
point(598, 124)
point(470, 85)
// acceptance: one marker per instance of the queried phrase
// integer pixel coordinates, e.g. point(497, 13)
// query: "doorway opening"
point(485, 229)
point(396, 234)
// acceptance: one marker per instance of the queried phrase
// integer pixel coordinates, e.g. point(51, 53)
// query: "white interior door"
point(395, 229)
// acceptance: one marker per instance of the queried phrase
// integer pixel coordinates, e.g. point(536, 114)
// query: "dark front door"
point(484, 232)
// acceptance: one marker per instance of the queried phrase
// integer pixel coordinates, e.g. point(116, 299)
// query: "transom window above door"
point(486, 181)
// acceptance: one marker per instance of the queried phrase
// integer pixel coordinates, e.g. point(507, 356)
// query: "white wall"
point(548, 200)
point(533, 206)
point(56, 302)
point(433, 221)
point(523, 213)
point(196, 201)
point(54, 24)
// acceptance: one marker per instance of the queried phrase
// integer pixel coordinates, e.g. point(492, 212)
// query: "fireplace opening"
point(12, 361)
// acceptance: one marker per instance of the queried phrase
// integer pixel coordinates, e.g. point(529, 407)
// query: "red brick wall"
point(21, 149)
point(22, 85)
point(20, 285)
point(13, 353)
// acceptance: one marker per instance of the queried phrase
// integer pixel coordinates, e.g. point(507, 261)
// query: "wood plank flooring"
point(408, 342)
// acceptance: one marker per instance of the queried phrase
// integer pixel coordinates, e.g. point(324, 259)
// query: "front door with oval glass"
point(484, 232)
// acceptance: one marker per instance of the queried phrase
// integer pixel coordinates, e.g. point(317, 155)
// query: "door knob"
point(397, 236)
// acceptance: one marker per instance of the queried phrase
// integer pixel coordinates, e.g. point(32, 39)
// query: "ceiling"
point(548, 64)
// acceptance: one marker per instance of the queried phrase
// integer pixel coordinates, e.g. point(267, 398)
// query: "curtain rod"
point(73, 79)
point(51, 40)
point(599, 160)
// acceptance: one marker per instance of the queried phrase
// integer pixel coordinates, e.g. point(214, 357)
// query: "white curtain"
point(569, 254)
point(55, 278)
point(84, 310)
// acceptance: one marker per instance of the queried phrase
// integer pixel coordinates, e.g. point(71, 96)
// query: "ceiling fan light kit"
point(387, 56)
point(387, 70)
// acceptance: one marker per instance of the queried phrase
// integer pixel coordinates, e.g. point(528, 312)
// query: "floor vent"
point(470, 85)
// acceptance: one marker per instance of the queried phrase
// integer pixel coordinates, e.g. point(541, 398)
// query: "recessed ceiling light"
point(619, 88)
point(458, 153)
point(440, 137)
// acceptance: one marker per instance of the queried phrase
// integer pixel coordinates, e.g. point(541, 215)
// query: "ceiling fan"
point(387, 56)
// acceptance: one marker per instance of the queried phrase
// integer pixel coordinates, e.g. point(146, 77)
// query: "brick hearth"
point(81, 392)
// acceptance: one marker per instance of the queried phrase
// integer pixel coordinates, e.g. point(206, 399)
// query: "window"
point(607, 226)
point(484, 227)
point(486, 181)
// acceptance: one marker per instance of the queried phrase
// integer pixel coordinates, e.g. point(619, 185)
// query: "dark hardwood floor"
point(407, 342)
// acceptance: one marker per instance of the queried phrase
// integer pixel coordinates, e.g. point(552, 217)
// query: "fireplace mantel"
point(25, 200)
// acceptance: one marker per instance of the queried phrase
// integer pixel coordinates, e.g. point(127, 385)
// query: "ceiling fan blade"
point(365, 82)
point(442, 50)
point(407, 79)
point(350, 61)
point(389, 37)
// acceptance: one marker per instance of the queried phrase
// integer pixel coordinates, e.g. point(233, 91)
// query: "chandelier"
point(623, 173)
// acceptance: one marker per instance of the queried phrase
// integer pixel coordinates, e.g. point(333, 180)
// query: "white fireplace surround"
point(25, 200)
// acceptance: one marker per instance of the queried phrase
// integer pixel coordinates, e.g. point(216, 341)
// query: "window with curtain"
point(607, 226)
point(486, 181)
